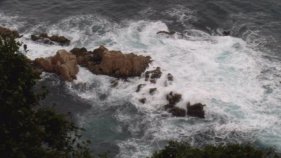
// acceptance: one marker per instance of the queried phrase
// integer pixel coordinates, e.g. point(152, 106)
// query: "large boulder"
point(196, 110)
point(46, 39)
point(63, 64)
point(101, 61)
point(5, 32)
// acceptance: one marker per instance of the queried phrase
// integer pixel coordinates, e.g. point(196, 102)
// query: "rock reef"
point(63, 64)
point(46, 39)
point(102, 61)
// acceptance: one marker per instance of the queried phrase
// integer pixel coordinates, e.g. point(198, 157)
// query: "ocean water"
point(237, 77)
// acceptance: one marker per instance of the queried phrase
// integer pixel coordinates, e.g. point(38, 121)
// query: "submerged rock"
point(153, 75)
point(63, 64)
point(112, 63)
point(46, 39)
point(196, 110)
point(152, 91)
point(142, 100)
point(166, 32)
point(170, 77)
point(5, 32)
point(140, 86)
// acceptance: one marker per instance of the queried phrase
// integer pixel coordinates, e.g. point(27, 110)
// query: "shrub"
point(27, 131)
point(184, 150)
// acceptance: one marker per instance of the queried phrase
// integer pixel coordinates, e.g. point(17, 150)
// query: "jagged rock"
point(5, 32)
point(177, 112)
point(196, 110)
point(143, 100)
point(152, 91)
point(153, 75)
point(170, 77)
point(46, 39)
point(140, 86)
point(63, 64)
point(112, 63)
point(173, 99)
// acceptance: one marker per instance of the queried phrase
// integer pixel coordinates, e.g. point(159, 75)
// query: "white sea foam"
point(240, 88)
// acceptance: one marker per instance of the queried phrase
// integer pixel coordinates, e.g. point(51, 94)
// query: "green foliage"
point(184, 150)
point(25, 130)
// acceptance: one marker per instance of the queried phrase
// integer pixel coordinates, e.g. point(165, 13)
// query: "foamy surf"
point(239, 86)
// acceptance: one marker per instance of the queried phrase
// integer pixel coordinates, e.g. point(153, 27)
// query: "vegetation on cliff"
point(184, 150)
point(26, 130)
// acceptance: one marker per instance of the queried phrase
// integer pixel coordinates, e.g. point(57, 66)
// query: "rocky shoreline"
point(102, 61)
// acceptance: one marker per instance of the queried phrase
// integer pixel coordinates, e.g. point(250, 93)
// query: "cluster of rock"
point(5, 32)
point(63, 64)
point(195, 110)
point(46, 39)
point(101, 61)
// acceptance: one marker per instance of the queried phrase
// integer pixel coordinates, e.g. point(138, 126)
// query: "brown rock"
point(153, 75)
point(5, 32)
point(63, 64)
point(196, 110)
point(46, 39)
point(113, 63)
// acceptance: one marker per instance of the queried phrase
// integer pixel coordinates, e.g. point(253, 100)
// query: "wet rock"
point(114, 83)
point(173, 99)
point(196, 110)
point(153, 75)
point(177, 112)
point(143, 100)
point(63, 64)
point(170, 77)
point(140, 86)
point(152, 91)
point(226, 33)
point(5, 32)
point(46, 39)
point(166, 32)
point(113, 63)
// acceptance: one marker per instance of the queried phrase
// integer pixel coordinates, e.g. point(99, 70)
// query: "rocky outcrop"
point(101, 61)
point(63, 64)
point(153, 75)
point(5, 32)
point(46, 39)
point(173, 99)
point(196, 110)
